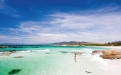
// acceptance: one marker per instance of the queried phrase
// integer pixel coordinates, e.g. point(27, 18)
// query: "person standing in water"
point(74, 57)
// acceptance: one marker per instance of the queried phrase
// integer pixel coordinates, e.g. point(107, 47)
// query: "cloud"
point(2, 37)
point(105, 21)
point(94, 27)
point(31, 27)
point(108, 9)
point(7, 10)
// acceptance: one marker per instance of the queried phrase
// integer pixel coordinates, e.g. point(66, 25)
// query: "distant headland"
point(74, 43)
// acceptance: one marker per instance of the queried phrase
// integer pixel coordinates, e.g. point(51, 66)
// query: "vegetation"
point(116, 43)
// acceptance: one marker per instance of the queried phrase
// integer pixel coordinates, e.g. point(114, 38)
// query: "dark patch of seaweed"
point(14, 71)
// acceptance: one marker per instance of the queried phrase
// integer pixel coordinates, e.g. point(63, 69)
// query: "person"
point(75, 57)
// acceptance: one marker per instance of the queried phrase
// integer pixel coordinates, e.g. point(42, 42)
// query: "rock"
point(18, 57)
point(106, 51)
point(118, 56)
point(88, 72)
point(118, 52)
point(78, 53)
point(111, 54)
point(109, 51)
point(95, 52)
point(13, 51)
point(4, 46)
point(107, 57)
point(47, 53)
point(6, 53)
point(14, 71)
point(63, 51)
point(108, 54)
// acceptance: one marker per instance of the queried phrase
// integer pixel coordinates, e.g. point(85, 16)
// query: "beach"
point(114, 64)
point(113, 47)
point(60, 37)
point(59, 61)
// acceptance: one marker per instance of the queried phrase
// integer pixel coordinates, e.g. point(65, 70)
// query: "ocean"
point(54, 60)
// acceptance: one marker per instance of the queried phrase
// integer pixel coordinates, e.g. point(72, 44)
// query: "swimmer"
point(75, 57)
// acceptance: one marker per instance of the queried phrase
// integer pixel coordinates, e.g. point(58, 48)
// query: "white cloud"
point(31, 27)
point(105, 21)
point(5, 9)
point(2, 37)
point(26, 27)
point(108, 9)
point(96, 27)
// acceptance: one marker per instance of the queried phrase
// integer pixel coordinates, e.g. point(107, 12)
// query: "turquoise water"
point(48, 47)
point(48, 60)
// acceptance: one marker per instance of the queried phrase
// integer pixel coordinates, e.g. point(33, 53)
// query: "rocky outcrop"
point(18, 57)
point(96, 52)
point(5, 53)
point(4, 47)
point(118, 56)
point(12, 51)
point(111, 54)
point(108, 54)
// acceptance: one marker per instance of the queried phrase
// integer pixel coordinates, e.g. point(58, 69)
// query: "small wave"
point(99, 59)
point(87, 50)
point(47, 50)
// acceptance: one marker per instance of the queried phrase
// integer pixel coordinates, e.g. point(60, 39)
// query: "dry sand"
point(112, 47)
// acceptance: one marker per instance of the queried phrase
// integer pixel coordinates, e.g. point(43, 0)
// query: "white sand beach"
point(115, 64)
point(113, 47)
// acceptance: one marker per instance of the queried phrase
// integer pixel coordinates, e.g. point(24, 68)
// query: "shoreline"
point(112, 47)
point(113, 65)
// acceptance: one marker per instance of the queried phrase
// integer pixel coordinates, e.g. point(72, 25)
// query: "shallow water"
point(50, 61)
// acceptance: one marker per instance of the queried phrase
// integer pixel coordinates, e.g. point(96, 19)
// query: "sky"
point(48, 21)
